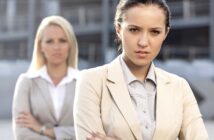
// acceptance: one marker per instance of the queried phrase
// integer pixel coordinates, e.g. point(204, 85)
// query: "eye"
point(155, 32)
point(49, 41)
point(62, 40)
point(133, 30)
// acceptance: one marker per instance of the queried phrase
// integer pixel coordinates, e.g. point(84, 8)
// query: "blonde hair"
point(38, 59)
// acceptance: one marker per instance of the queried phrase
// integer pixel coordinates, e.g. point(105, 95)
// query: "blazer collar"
point(164, 102)
point(68, 101)
point(43, 86)
point(115, 73)
point(118, 89)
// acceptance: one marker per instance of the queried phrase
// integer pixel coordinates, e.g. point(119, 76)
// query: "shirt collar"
point(72, 74)
point(130, 77)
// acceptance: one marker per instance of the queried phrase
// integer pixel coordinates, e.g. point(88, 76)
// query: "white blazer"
point(102, 103)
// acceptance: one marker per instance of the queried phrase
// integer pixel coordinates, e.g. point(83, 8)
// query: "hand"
point(25, 119)
point(99, 136)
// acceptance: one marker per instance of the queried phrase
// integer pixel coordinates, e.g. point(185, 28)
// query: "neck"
point(139, 71)
point(57, 72)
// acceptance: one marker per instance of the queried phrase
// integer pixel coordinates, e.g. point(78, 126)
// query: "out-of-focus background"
point(188, 51)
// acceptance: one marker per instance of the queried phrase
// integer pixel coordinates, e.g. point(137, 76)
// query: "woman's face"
point(54, 45)
point(142, 33)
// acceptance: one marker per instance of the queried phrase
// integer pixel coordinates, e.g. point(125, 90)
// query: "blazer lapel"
point(118, 89)
point(42, 84)
point(163, 103)
point(69, 98)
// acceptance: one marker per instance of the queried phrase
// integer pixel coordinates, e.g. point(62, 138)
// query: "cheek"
point(43, 48)
point(157, 42)
point(128, 43)
point(157, 45)
point(46, 51)
point(122, 35)
point(66, 50)
point(126, 39)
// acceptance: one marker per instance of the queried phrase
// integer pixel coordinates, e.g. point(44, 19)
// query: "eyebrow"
point(156, 28)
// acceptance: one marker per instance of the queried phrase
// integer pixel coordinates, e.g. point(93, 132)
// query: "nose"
point(56, 46)
point(143, 40)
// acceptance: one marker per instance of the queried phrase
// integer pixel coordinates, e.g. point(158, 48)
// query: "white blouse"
point(143, 96)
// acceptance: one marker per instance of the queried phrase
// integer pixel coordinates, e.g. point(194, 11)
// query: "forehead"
point(53, 30)
point(52, 27)
point(151, 15)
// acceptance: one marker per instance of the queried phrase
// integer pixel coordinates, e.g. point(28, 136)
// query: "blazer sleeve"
point(193, 127)
point(21, 103)
point(64, 132)
point(87, 116)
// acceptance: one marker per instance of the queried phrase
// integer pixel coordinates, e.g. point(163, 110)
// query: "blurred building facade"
point(191, 34)
point(188, 51)
point(20, 19)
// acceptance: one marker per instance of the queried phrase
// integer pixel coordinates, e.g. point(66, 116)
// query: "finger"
point(96, 136)
point(22, 121)
point(90, 137)
point(27, 116)
point(22, 116)
point(30, 117)
point(28, 125)
point(99, 135)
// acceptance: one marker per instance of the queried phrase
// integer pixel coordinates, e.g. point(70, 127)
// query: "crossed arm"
point(25, 125)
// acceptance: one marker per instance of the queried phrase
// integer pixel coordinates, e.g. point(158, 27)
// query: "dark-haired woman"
point(130, 98)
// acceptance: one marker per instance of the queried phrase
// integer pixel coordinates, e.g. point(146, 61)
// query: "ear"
point(118, 29)
point(167, 32)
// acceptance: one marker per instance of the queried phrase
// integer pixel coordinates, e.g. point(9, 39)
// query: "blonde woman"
point(43, 98)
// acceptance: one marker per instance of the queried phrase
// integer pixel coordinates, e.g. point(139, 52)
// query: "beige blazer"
point(32, 95)
point(103, 104)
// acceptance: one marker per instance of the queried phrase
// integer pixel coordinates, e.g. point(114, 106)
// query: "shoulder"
point(92, 77)
point(24, 78)
point(23, 85)
point(102, 71)
point(97, 72)
point(170, 77)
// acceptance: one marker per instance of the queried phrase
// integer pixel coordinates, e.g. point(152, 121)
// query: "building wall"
point(189, 37)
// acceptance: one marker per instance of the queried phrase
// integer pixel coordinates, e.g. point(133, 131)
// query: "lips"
point(56, 54)
point(142, 54)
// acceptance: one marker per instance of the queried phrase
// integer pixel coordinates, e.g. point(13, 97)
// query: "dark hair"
point(124, 5)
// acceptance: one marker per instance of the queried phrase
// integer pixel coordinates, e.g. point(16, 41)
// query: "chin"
point(57, 63)
point(142, 63)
